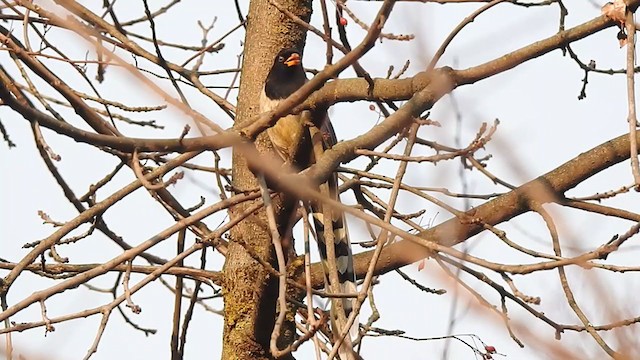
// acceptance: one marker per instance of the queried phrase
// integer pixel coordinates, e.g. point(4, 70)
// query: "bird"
point(291, 140)
point(285, 77)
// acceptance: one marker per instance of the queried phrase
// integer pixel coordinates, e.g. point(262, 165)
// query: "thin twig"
point(632, 119)
point(282, 266)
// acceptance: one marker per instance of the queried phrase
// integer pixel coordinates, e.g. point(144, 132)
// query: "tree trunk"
point(250, 293)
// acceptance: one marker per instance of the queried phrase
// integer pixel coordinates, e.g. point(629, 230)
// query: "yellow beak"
point(293, 60)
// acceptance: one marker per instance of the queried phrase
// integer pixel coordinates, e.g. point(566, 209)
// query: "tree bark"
point(250, 293)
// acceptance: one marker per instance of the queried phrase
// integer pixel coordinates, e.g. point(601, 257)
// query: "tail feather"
point(341, 243)
point(344, 266)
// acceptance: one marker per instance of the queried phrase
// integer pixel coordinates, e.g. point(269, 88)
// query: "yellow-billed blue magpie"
point(289, 137)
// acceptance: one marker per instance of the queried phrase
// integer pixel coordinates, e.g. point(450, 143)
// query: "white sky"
point(542, 126)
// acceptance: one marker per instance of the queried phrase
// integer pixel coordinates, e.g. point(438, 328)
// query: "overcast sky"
point(542, 126)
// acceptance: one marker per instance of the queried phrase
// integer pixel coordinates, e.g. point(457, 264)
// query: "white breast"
point(286, 133)
point(267, 104)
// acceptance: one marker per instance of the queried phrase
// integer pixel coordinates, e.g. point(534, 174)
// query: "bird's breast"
point(287, 133)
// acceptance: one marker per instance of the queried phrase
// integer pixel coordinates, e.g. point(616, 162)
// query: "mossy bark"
point(250, 293)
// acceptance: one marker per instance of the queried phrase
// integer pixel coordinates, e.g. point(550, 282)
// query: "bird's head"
point(286, 74)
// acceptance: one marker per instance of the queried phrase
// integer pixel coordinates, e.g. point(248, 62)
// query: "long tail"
point(341, 243)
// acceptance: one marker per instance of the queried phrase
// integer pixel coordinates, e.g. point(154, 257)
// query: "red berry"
point(343, 21)
point(490, 349)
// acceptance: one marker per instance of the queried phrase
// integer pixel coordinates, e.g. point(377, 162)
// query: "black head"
point(286, 74)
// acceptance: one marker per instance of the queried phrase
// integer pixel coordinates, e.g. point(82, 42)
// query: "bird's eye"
point(280, 58)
